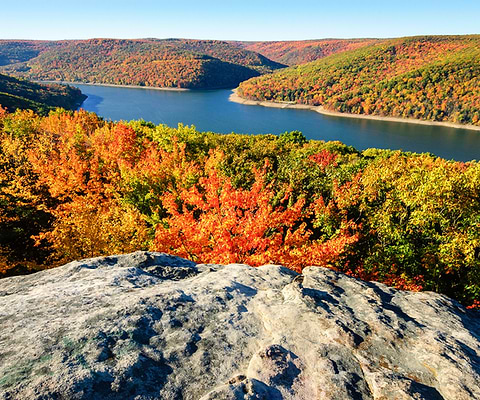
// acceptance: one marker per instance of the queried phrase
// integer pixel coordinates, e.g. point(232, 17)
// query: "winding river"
point(212, 111)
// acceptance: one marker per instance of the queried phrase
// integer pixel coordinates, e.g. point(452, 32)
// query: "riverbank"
point(234, 97)
point(122, 86)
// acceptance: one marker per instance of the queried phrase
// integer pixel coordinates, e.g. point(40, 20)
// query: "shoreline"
point(234, 97)
point(122, 86)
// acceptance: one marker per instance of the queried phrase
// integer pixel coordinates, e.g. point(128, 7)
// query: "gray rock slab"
point(153, 326)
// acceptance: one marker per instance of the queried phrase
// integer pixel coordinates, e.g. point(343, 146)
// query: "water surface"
point(212, 111)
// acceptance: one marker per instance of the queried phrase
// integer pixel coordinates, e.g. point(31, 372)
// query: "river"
point(212, 111)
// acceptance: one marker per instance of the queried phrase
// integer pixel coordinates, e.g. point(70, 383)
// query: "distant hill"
point(432, 78)
point(22, 94)
point(295, 52)
point(146, 62)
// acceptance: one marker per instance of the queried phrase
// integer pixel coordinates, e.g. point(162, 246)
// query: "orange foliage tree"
point(80, 160)
point(214, 222)
point(22, 203)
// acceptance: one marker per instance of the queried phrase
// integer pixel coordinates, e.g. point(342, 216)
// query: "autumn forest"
point(433, 78)
point(174, 63)
point(75, 185)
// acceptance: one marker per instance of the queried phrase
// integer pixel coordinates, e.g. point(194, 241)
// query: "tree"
point(214, 222)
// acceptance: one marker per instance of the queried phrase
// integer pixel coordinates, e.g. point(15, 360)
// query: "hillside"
point(22, 94)
point(152, 326)
point(295, 52)
point(147, 62)
point(76, 186)
point(432, 78)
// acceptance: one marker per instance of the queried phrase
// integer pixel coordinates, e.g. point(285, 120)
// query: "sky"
point(235, 20)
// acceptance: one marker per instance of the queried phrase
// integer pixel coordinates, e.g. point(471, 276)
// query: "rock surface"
point(153, 326)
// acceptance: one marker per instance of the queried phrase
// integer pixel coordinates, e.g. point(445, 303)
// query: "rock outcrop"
point(153, 326)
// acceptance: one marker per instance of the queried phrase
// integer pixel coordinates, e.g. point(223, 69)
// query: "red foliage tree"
point(214, 222)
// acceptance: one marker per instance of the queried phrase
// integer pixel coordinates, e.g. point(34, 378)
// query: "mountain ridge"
point(425, 77)
point(295, 52)
point(179, 63)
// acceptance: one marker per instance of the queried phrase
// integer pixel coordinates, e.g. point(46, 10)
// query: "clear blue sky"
point(242, 20)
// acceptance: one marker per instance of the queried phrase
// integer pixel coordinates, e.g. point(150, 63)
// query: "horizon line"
point(239, 40)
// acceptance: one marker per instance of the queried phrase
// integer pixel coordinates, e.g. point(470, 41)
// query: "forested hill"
point(22, 94)
point(432, 78)
point(295, 52)
point(146, 62)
